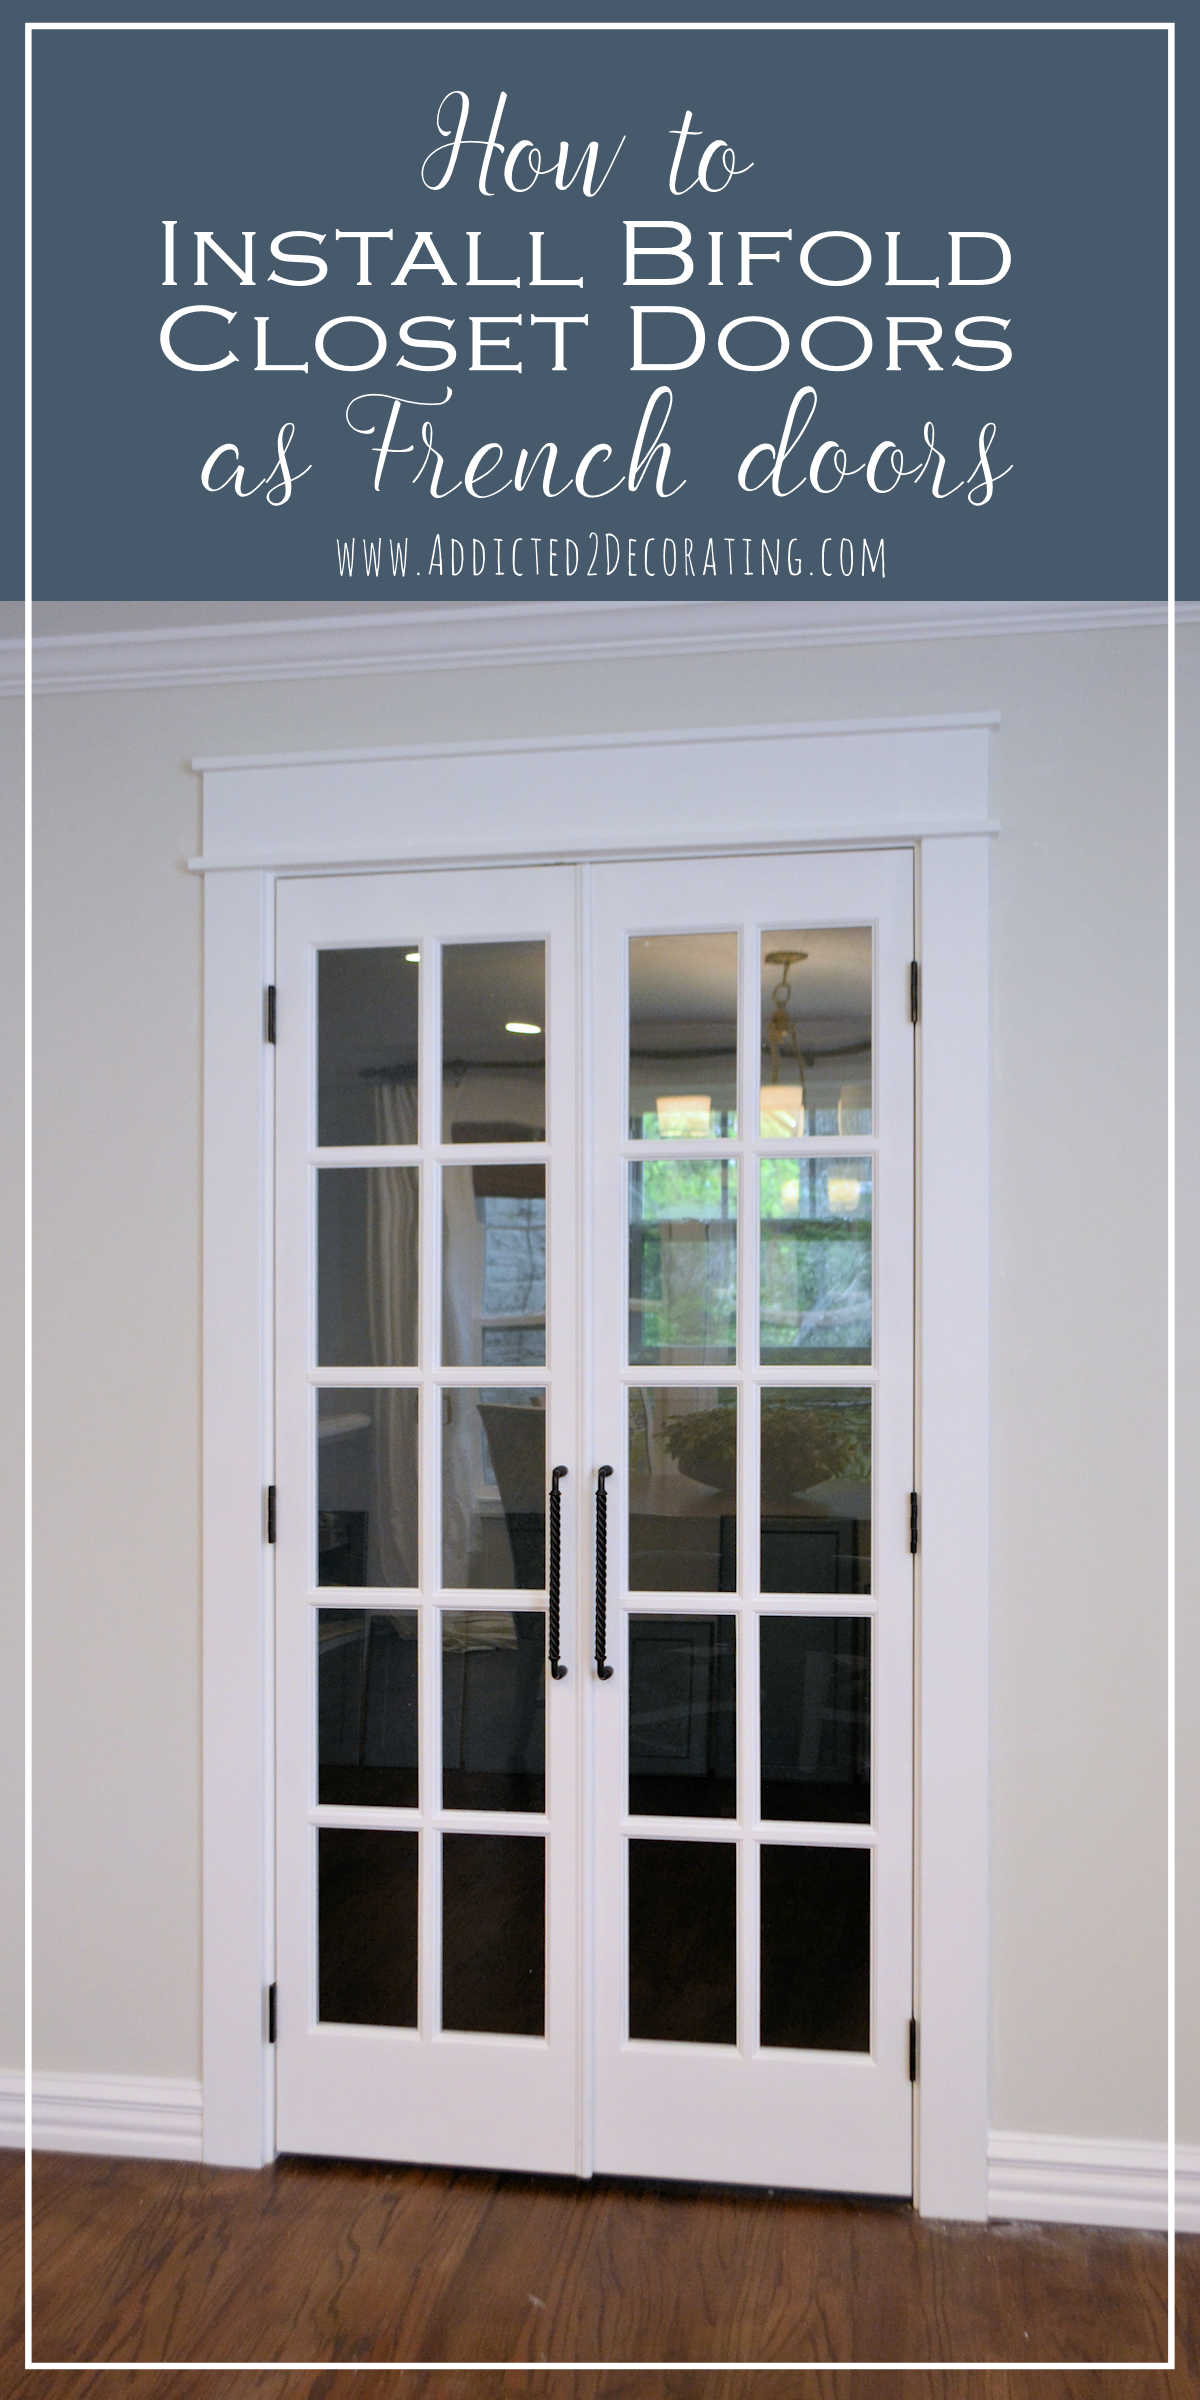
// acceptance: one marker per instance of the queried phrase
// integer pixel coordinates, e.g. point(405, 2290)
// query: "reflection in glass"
point(682, 1035)
point(816, 1491)
point(367, 1707)
point(493, 1933)
point(815, 1684)
point(816, 1949)
point(367, 1045)
point(494, 1042)
point(683, 1262)
point(367, 1927)
point(683, 1941)
point(367, 1273)
point(682, 1717)
point(494, 1265)
point(816, 1032)
point(367, 1514)
point(682, 1489)
point(816, 1261)
point(494, 1709)
point(494, 1490)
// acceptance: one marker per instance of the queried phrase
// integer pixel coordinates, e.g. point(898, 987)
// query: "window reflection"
point(494, 1042)
point(683, 1463)
point(494, 1265)
point(683, 1262)
point(682, 1035)
point(367, 1045)
point(816, 1491)
point(367, 1491)
point(816, 1261)
point(494, 1489)
point(816, 1032)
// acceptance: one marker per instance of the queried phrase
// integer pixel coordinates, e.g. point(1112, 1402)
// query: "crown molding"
point(365, 639)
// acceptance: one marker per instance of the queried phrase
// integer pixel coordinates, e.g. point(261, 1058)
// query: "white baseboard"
point(113, 2116)
point(1056, 2179)
point(1050, 2179)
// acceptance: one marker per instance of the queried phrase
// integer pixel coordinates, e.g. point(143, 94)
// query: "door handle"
point(554, 1580)
point(603, 1668)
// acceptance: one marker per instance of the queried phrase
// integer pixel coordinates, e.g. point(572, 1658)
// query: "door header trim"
point(717, 789)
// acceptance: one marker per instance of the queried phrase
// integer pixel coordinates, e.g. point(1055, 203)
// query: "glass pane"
point(816, 1949)
point(816, 1491)
point(494, 1490)
point(683, 1941)
point(815, 1686)
point(682, 1717)
point(816, 1261)
point(367, 1927)
point(367, 1045)
point(494, 1709)
point(816, 1032)
point(682, 1489)
point(367, 1707)
point(367, 1276)
point(682, 1035)
point(683, 1262)
point(493, 1933)
point(494, 1266)
point(367, 1513)
point(494, 1042)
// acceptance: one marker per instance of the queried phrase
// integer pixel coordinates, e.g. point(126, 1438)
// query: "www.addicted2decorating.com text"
point(606, 557)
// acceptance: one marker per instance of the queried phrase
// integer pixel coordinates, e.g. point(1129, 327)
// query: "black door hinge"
point(271, 1991)
point(914, 991)
point(912, 2047)
point(270, 1512)
point(270, 1027)
point(914, 1522)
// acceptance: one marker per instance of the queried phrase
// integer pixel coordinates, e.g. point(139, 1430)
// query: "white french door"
point(426, 1791)
point(753, 1204)
point(594, 1790)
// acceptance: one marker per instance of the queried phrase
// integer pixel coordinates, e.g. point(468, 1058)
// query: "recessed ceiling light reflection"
point(514, 1025)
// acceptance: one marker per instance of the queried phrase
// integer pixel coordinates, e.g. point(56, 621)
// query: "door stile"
point(580, 1521)
point(429, 1439)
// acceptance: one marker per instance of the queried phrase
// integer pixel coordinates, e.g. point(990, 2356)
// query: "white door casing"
point(265, 818)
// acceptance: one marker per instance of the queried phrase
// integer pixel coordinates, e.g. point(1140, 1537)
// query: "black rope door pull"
point(603, 1669)
point(554, 1583)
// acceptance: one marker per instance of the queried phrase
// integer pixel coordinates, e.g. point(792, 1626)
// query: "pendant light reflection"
point(683, 1116)
point(782, 1110)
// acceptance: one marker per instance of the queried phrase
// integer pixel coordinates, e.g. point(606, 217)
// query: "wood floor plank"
point(323, 2262)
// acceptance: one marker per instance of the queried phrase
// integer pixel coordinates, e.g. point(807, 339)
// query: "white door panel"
point(426, 1762)
point(753, 1280)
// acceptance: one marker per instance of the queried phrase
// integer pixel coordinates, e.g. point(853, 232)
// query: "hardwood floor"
point(324, 2263)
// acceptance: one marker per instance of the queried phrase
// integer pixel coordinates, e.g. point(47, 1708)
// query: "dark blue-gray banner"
point(587, 315)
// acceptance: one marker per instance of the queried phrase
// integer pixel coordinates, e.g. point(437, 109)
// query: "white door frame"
point(920, 784)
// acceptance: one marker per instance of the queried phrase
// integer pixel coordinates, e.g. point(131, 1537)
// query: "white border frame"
point(920, 784)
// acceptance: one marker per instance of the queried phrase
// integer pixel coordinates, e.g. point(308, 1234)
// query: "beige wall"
point(1079, 1294)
